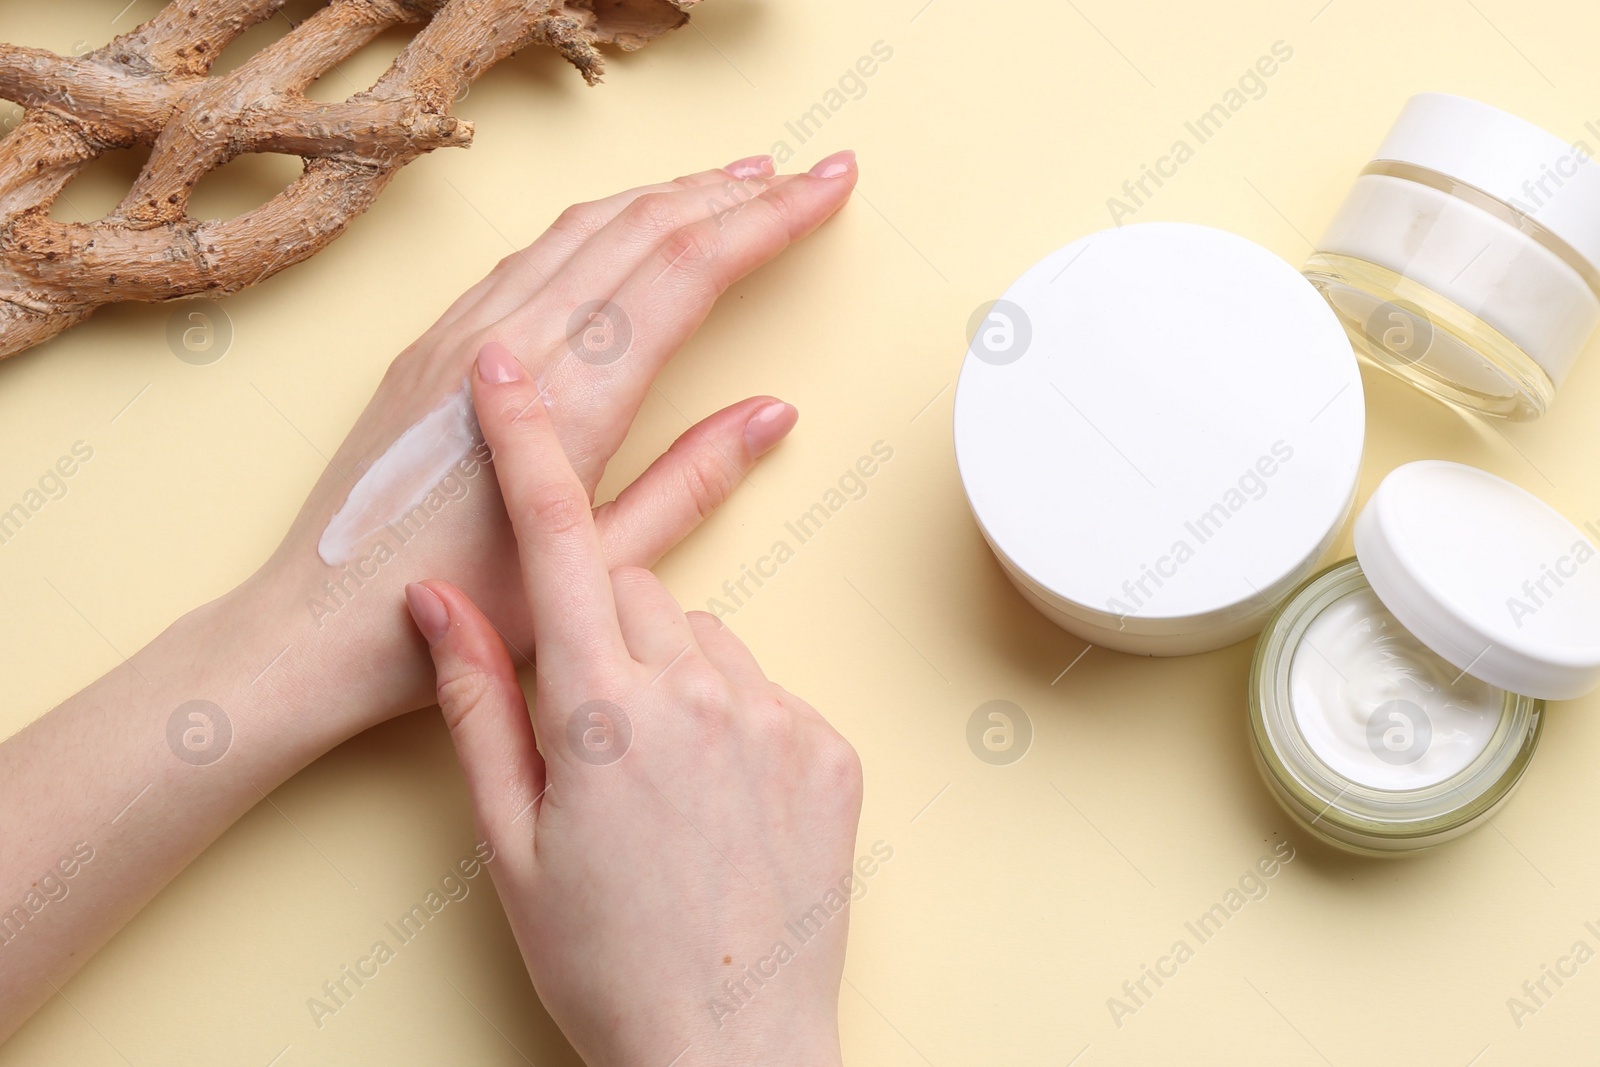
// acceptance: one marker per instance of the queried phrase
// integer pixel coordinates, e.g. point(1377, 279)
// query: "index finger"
point(563, 567)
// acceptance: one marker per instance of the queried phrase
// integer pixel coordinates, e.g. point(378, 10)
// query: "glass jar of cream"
point(1397, 698)
point(1466, 257)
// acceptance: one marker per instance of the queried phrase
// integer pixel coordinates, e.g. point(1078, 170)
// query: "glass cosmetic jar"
point(1464, 258)
point(1159, 430)
point(1397, 698)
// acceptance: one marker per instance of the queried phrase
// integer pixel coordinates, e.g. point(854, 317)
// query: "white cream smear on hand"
point(402, 477)
point(1379, 707)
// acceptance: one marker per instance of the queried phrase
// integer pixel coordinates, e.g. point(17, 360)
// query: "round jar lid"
point(1519, 164)
point(1487, 575)
point(1159, 428)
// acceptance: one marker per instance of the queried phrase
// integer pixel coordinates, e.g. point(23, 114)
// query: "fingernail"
point(496, 364)
point(769, 425)
point(750, 167)
point(428, 611)
point(835, 166)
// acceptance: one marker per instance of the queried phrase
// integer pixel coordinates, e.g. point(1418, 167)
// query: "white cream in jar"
point(1381, 708)
point(1397, 698)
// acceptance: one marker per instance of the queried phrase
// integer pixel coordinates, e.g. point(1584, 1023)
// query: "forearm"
point(106, 798)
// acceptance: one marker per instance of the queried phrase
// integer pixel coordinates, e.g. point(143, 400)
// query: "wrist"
point(797, 1038)
point(334, 673)
point(814, 1050)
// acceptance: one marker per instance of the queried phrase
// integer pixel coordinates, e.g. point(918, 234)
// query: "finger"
point(487, 714)
point(563, 567)
point(723, 649)
point(690, 480)
point(653, 625)
point(667, 297)
point(522, 274)
point(544, 321)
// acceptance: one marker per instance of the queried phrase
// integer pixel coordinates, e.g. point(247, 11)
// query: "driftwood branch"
point(152, 86)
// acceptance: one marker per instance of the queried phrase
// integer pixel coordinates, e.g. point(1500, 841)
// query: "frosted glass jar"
point(1464, 258)
point(1397, 698)
point(1391, 700)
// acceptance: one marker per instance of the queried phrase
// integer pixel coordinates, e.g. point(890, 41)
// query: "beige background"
point(1020, 897)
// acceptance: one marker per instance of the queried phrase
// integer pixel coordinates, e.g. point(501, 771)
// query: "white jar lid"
point(1514, 161)
point(1159, 429)
point(1487, 575)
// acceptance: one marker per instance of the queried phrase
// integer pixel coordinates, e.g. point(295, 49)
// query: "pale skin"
point(640, 707)
point(637, 931)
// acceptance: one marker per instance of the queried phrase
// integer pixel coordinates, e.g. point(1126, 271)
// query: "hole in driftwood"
point(356, 74)
point(100, 185)
point(243, 184)
point(352, 75)
point(264, 33)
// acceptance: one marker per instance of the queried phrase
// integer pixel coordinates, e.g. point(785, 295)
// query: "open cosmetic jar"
point(1464, 258)
point(1159, 429)
point(1397, 698)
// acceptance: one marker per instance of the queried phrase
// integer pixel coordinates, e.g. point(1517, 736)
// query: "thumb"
point(486, 711)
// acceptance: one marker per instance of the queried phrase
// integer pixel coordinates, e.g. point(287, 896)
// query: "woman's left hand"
point(597, 306)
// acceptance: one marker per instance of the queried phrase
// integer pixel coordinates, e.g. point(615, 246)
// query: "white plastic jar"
point(1159, 429)
point(1466, 257)
point(1397, 698)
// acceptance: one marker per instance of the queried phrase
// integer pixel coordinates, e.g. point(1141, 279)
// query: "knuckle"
point(629, 572)
point(505, 410)
point(402, 369)
point(703, 621)
point(461, 692)
point(629, 576)
point(839, 767)
point(773, 721)
point(705, 480)
point(507, 265)
point(693, 249)
point(579, 220)
point(706, 697)
point(558, 508)
point(652, 214)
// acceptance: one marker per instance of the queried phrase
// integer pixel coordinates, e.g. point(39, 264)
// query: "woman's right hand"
point(673, 833)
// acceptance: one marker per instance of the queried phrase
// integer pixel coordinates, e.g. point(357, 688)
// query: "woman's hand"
point(170, 747)
point(676, 863)
point(597, 305)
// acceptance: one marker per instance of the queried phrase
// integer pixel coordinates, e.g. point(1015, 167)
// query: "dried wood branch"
point(152, 86)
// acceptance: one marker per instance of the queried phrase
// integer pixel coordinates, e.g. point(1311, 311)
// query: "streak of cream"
point(402, 477)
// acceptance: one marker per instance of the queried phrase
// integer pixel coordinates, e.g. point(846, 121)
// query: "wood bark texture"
point(152, 86)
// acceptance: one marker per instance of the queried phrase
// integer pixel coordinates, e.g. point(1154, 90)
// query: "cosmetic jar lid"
point(1487, 575)
point(1159, 429)
point(1515, 162)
